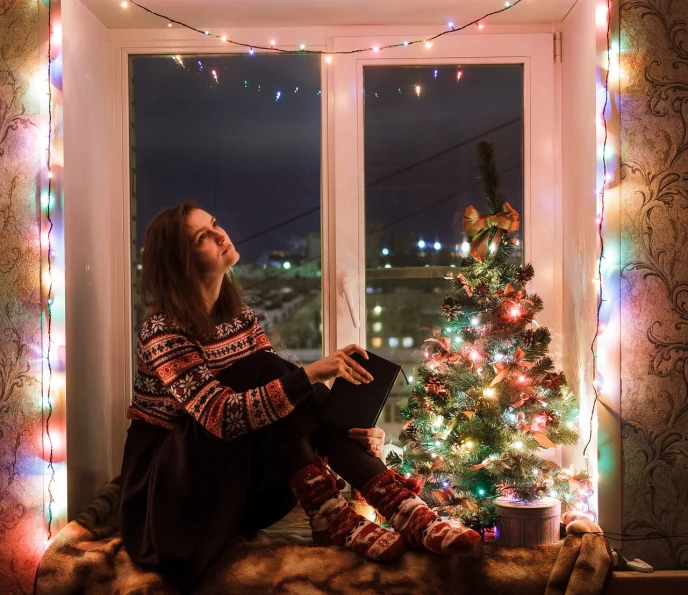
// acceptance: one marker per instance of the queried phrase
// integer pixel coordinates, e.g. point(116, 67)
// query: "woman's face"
point(211, 248)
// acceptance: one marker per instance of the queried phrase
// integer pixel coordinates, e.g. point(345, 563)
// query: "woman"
point(224, 431)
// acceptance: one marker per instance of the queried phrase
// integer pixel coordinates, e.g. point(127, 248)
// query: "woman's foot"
point(396, 499)
point(333, 521)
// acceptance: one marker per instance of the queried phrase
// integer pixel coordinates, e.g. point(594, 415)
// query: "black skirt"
point(186, 493)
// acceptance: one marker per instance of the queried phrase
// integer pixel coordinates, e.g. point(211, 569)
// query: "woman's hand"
point(372, 439)
point(339, 364)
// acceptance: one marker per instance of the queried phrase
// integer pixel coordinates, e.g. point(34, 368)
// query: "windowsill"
point(426, 272)
point(661, 581)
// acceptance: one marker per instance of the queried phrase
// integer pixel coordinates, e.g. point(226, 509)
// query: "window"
point(330, 139)
point(421, 128)
point(242, 136)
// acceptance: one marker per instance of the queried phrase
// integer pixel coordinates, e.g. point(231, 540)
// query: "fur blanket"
point(87, 557)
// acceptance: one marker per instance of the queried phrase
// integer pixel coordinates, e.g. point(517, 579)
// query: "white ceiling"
point(209, 14)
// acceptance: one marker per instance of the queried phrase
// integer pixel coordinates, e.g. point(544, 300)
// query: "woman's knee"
point(254, 370)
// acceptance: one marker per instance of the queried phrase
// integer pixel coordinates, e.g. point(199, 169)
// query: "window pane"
point(241, 136)
point(422, 125)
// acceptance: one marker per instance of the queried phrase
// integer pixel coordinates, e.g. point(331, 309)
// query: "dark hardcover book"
point(359, 405)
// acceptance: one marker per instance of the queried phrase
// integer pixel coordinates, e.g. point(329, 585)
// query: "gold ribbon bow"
point(469, 413)
point(445, 495)
point(503, 368)
point(478, 227)
point(578, 480)
point(438, 464)
point(437, 338)
point(570, 474)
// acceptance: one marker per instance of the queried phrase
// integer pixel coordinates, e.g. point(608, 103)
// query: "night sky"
point(250, 160)
point(254, 160)
point(412, 113)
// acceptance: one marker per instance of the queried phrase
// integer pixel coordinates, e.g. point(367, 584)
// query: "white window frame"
point(542, 242)
point(123, 45)
point(342, 169)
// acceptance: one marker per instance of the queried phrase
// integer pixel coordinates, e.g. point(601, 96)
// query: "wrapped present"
point(528, 523)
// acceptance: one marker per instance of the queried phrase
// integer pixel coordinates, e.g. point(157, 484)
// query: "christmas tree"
point(487, 399)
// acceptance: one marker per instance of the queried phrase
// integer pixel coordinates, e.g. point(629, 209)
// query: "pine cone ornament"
point(529, 339)
point(550, 418)
point(410, 429)
point(537, 303)
point(482, 294)
point(451, 309)
point(553, 381)
point(524, 274)
point(434, 386)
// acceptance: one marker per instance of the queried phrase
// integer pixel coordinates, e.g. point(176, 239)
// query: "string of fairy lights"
point(273, 44)
point(217, 76)
point(48, 241)
point(596, 386)
point(49, 300)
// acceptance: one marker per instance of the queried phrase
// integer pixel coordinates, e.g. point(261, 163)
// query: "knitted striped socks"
point(333, 521)
point(389, 493)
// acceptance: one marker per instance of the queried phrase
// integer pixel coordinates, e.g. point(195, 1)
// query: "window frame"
point(342, 169)
point(123, 45)
point(542, 242)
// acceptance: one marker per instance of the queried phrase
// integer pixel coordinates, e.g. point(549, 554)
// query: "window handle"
point(346, 289)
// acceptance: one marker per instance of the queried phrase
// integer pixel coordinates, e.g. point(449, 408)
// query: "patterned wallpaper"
point(21, 466)
point(654, 285)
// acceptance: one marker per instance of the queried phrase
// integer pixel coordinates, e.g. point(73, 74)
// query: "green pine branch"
point(489, 176)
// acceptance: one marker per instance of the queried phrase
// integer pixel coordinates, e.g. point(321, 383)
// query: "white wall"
point(578, 179)
point(87, 273)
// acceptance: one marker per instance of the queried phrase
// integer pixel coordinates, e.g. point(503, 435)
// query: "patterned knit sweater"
point(176, 376)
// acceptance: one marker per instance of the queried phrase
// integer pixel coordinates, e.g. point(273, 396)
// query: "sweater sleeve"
point(170, 355)
point(260, 338)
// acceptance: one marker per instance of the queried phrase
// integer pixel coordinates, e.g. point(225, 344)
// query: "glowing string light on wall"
point(53, 436)
point(605, 340)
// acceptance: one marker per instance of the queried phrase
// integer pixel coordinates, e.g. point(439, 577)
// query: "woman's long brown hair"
point(171, 282)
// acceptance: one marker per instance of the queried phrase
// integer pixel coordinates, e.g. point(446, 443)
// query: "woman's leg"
point(304, 476)
point(269, 497)
point(394, 496)
point(182, 496)
point(288, 445)
point(347, 457)
point(285, 468)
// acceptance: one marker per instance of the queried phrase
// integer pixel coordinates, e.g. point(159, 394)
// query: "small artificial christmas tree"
point(487, 397)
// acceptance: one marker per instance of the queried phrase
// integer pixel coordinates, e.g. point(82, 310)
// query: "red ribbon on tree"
point(535, 430)
point(466, 286)
point(509, 291)
point(503, 368)
point(487, 462)
point(444, 343)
